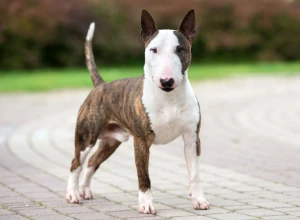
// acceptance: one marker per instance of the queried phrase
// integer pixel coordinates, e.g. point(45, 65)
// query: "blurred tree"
point(43, 33)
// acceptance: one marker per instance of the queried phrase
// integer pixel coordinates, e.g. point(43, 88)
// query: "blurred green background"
point(42, 41)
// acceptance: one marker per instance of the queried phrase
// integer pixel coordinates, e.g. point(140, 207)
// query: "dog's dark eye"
point(154, 50)
point(179, 49)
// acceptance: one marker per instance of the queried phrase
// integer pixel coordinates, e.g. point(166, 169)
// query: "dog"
point(154, 108)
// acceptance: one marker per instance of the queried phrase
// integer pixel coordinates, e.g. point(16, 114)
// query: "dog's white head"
point(168, 52)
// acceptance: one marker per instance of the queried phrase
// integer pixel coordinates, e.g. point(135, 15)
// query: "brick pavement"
point(36, 146)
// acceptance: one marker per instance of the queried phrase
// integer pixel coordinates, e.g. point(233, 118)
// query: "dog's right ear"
point(148, 26)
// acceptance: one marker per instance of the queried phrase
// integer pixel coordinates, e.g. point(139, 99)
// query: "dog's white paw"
point(200, 203)
point(85, 192)
point(73, 196)
point(147, 209)
point(146, 202)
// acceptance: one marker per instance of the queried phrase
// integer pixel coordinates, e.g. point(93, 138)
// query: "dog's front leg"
point(191, 142)
point(141, 149)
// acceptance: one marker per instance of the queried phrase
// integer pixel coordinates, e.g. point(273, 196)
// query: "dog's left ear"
point(187, 27)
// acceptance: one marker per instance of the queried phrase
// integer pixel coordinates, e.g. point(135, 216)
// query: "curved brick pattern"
point(250, 126)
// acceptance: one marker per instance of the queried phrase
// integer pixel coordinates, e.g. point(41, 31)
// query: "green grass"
point(41, 80)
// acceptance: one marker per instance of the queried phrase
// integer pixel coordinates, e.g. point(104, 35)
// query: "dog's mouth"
point(167, 89)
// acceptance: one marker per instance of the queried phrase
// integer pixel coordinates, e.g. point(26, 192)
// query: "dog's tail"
point(89, 57)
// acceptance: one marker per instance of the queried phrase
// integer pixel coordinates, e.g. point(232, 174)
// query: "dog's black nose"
point(167, 83)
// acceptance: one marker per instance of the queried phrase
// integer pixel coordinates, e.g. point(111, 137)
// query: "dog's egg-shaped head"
point(167, 52)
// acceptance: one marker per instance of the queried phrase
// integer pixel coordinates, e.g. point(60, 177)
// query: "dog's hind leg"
point(106, 148)
point(76, 167)
point(85, 138)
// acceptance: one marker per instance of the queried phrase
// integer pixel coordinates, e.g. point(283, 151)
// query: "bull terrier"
point(154, 108)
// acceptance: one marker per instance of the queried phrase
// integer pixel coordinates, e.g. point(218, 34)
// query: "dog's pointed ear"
point(187, 27)
point(148, 26)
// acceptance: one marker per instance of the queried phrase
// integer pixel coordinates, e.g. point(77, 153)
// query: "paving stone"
point(225, 202)
point(149, 217)
point(212, 210)
point(34, 212)
point(127, 214)
point(12, 199)
point(51, 217)
point(281, 217)
point(230, 216)
point(92, 216)
point(13, 217)
point(173, 213)
point(259, 212)
point(5, 212)
point(57, 203)
point(192, 218)
point(8, 194)
point(295, 213)
point(110, 207)
point(295, 202)
point(174, 201)
point(75, 209)
point(289, 209)
point(271, 204)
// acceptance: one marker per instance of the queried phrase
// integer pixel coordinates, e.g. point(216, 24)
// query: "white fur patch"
point(165, 63)
point(84, 187)
point(84, 154)
point(146, 202)
point(72, 195)
point(90, 33)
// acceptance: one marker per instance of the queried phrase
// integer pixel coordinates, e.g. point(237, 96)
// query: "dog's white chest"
point(171, 114)
point(167, 123)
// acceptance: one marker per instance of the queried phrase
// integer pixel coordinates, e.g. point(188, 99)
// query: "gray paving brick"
point(92, 216)
point(13, 199)
point(8, 194)
point(225, 202)
point(271, 204)
point(295, 214)
point(51, 217)
point(57, 203)
point(5, 212)
point(110, 207)
point(13, 217)
point(282, 217)
point(173, 213)
point(212, 210)
point(192, 218)
point(259, 212)
point(295, 202)
point(149, 217)
point(289, 209)
point(174, 201)
point(74, 209)
point(127, 214)
point(34, 212)
point(230, 216)
point(240, 207)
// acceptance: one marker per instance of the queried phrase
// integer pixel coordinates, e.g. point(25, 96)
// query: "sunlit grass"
point(40, 80)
